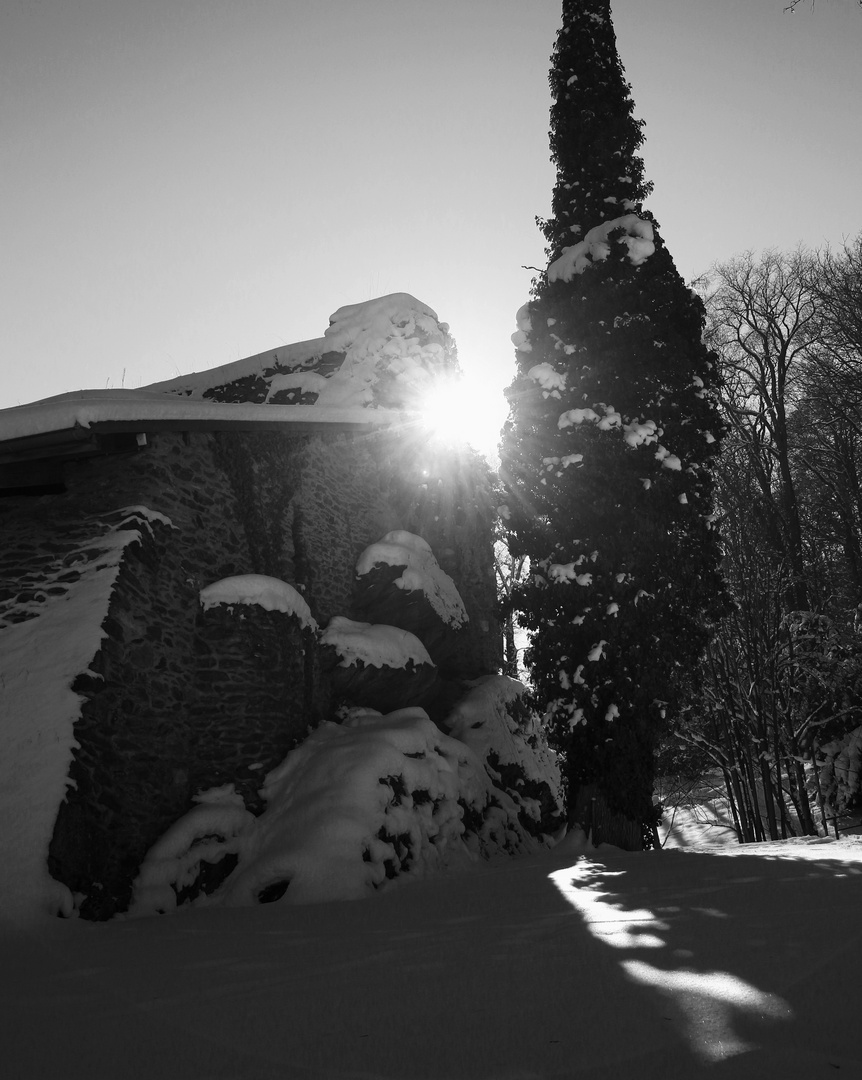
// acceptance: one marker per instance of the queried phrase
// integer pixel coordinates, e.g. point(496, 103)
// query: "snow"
point(637, 432)
point(299, 354)
point(549, 379)
point(482, 720)
point(700, 821)
point(574, 962)
point(667, 459)
point(422, 572)
point(375, 645)
point(597, 652)
point(572, 417)
point(207, 833)
point(563, 573)
point(370, 322)
point(354, 807)
point(394, 341)
point(86, 407)
point(523, 318)
point(39, 660)
point(521, 337)
point(395, 335)
point(270, 593)
point(637, 235)
point(329, 802)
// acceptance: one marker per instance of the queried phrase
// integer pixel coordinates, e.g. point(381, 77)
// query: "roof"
point(366, 372)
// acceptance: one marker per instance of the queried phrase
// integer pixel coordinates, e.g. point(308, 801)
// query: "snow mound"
point(349, 810)
point(637, 235)
point(494, 720)
point(206, 834)
point(421, 572)
point(362, 327)
point(376, 646)
point(270, 593)
point(394, 348)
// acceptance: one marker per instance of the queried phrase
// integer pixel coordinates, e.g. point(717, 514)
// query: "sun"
point(465, 410)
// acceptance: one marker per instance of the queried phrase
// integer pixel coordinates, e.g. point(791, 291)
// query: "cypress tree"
point(606, 455)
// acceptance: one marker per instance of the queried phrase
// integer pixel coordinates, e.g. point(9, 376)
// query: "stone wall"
point(180, 699)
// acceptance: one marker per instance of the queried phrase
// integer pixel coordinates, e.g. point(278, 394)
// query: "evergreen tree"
point(606, 454)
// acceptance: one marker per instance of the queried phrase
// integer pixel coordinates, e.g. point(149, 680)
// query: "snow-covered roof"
point(372, 355)
point(366, 370)
point(139, 409)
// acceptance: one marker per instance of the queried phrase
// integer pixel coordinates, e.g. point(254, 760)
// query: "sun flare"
point(467, 411)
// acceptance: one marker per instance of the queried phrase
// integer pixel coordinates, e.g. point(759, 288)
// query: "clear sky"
point(187, 182)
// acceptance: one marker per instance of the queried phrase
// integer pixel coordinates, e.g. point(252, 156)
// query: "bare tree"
point(794, 4)
point(761, 314)
point(510, 571)
point(783, 674)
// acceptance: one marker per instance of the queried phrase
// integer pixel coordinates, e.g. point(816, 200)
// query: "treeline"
point(777, 700)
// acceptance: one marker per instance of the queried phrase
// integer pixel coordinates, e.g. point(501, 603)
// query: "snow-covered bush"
point(177, 866)
point(841, 772)
point(353, 807)
point(495, 721)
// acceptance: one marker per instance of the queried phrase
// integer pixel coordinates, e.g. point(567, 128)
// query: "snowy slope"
point(680, 965)
point(46, 642)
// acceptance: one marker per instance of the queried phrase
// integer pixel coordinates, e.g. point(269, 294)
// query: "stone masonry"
point(178, 699)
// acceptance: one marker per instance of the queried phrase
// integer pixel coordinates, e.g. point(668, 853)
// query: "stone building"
point(124, 692)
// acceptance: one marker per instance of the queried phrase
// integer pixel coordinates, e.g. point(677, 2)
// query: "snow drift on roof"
point(381, 352)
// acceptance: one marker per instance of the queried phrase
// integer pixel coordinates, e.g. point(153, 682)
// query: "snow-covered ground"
point(724, 962)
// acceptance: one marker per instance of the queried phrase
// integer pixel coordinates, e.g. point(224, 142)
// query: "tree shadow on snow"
point(751, 957)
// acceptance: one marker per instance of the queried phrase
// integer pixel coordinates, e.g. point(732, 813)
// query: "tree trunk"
point(796, 773)
point(733, 804)
point(510, 652)
point(768, 797)
point(603, 825)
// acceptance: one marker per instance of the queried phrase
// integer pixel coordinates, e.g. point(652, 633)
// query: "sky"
point(189, 182)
